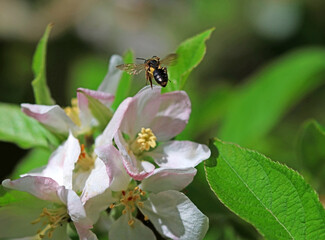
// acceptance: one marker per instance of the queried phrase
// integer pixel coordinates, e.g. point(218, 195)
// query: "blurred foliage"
point(261, 78)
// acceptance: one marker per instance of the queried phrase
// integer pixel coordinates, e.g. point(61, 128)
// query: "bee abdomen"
point(161, 76)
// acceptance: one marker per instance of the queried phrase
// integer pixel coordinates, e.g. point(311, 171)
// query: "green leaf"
point(311, 152)
point(272, 197)
point(41, 90)
point(86, 72)
point(11, 196)
point(26, 132)
point(190, 53)
point(260, 104)
point(98, 110)
point(123, 89)
point(36, 158)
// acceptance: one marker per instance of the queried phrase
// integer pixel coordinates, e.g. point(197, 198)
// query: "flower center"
point(146, 139)
point(52, 218)
point(85, 162)
point(73, 112)
point(130, 200)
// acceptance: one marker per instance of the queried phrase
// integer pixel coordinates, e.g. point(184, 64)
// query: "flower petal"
point(42, 187)
point(96, 205)
point(118, 177)
point(168, 179)
point(173, 115)
point(97, 182)
point(62, 162)
point(179, 154)
point(138, 170)
point(120, 230)
point(107, 136)
point(113, 76)
point(75, 207)
point(16, 218)
point(86, 116)
point(166, 114)
point(175, 216)
point(84, 232)
point(141, 111)
point(53, 117)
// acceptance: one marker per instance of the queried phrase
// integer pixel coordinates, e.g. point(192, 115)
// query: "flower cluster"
point(129, 178)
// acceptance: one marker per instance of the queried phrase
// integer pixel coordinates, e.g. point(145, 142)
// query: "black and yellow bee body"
point(152, 67)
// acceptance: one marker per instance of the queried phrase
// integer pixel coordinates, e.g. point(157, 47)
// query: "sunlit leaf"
point(190, 53)
point(123, 89)
point(41, 91)
point(26, 132)
point(272, 197)
point(260, 104)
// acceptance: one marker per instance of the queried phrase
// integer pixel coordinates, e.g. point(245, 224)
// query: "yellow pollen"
point(52, 218)
point(145, 140)
point(146, 218)
point(73, 112)
point(85, 161)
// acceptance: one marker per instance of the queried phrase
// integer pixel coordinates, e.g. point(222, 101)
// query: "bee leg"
point(150, 82)
point(148, 79)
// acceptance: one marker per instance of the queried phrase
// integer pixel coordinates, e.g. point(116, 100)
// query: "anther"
point(131, 222)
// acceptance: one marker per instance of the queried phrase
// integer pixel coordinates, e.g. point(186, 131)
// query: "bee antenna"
point(141, 59)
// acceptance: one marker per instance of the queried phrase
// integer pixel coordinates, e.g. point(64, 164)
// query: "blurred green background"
point(274, 47)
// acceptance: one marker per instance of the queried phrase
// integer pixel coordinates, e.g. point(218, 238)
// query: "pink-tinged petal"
point(175, 216)
point(120, 230)
point(138, 170)
point(173, 115)
point(96, 205)
point(53, 117)
point(16, 218)
point(113, 76)
point(62, 162)
point(107, 136)
point(42, 187)
point(118, 177)
point(168, 179)
point(179, 154)
point(141, 111)
point(84, 232)
point(97, 182)
point(85, 113)
point(75, 207)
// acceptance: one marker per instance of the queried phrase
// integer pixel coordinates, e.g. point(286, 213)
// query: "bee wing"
point(169, 59)
point(131, 68)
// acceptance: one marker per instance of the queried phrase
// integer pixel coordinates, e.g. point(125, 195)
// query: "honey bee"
point(152, 67)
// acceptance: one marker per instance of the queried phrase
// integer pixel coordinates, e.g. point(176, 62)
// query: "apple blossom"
point(158, 198)
point(77, 118)
point(70, 171)
point(142, 128)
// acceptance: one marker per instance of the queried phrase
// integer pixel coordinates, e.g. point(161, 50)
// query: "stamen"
point(130, 200)
point(52, 219)
point(145, 140)
point(73, 112)
point(85, 161)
